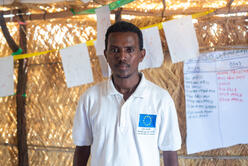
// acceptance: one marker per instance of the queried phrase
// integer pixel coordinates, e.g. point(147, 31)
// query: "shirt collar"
point(139, 92)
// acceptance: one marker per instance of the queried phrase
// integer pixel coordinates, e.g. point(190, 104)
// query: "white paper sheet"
point(106, 71)
point(181, 39)
point(76, 64)
point(103, 22)
point(154, 52)
point(6, 2)
point(85, 1)
point(6, 76)
point(216, 100)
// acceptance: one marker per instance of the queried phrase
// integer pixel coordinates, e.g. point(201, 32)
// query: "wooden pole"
point(13, 46)
point(21, 89)
point(229, 3)
point(21, 100)
point(164, 7)
point(118, 15)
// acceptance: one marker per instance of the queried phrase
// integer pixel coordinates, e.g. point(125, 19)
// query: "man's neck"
point(126, 86)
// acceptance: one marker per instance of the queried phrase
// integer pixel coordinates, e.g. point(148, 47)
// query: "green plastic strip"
point(23, 95)
point(119, 3)
point(112, 6)
point(18, 52)
point(73, 12)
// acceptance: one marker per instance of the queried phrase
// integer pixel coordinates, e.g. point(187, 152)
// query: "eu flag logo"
point(146, 120)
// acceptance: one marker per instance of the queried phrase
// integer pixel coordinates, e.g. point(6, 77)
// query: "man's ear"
point(142, 54)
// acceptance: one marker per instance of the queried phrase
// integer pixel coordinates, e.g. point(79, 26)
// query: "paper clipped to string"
point(103, 22)
point(6, 76)
point(154, 53)
point(106, 71)
point(181, 39)
point(76, 64)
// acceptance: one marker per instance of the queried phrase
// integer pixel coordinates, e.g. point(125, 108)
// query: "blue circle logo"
point(147, 120)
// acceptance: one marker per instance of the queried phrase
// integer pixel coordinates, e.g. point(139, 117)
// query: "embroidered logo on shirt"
point(146, 120)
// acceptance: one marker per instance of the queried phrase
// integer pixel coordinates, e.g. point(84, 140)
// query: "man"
point(126, 120)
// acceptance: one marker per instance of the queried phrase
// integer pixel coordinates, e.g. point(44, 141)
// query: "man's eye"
point(130, 50)
point(114, 50)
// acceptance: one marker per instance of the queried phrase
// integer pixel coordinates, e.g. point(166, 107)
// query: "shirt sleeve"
point(169, 138)
point(81, 131)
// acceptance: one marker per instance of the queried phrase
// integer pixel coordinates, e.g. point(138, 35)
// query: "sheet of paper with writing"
point(216, 96)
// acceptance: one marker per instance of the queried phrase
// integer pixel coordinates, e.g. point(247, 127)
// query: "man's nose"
point(123, 54)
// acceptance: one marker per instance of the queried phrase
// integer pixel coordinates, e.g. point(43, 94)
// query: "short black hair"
point(123, 26)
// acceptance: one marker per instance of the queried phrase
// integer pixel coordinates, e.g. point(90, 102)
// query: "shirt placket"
point(123, 114)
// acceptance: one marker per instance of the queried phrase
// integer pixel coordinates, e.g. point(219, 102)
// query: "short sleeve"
point(81, 131)
point(169, 138)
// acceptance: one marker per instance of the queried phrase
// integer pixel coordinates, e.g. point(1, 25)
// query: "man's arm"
point(81, 155)
point(170, 158)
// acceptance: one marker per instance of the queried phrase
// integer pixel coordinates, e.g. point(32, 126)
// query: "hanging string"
point(91, 42)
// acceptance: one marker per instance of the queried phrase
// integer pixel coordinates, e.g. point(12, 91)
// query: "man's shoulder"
point(97, 87)
point(158, 94)
point(156, 89)
point(95, 90)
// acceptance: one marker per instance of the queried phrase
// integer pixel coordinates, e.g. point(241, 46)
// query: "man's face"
point(123, 53)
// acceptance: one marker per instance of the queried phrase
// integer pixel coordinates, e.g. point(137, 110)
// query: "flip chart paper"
point(216, 100)
point(6, 76)
point(103, 22)
point(154, 52)
point(76, 64)
point(181, 39)
point(106, 71)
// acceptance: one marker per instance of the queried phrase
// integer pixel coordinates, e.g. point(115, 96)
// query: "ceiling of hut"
point(154, 7)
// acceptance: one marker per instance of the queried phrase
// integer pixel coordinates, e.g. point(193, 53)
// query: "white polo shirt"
point(126, 133)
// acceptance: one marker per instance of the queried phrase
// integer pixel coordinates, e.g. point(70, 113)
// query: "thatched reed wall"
point(50, 105)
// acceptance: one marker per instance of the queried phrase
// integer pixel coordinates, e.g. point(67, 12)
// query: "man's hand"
point(81, 155)
point(170, 158)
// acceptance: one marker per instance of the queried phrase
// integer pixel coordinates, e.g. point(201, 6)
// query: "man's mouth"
point(122, 65)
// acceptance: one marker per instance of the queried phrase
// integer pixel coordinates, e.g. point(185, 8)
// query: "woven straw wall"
point(50, 105)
